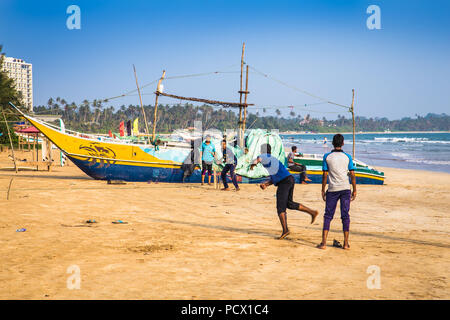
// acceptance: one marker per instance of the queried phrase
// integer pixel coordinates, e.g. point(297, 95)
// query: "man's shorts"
point(206, 166)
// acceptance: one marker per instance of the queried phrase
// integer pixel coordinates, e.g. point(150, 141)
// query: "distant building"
point(22, 74)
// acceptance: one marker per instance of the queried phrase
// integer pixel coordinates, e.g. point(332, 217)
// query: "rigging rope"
point(297, 89)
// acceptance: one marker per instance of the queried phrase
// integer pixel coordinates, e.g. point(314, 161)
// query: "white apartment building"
point(22, 74)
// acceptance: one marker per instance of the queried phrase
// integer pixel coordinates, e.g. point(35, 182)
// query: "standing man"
point(230, 161)
point(280, 177)
point(295, 166)
point(336, 165)
point(208, 153)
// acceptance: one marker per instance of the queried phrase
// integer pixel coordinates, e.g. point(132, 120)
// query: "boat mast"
point(245, 102)
point(157, 93)
point(241, 133)
point(142, 106)
point(352, 110)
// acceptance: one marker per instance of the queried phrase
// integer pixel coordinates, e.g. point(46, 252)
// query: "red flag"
point(110, 133)
point(122, 129)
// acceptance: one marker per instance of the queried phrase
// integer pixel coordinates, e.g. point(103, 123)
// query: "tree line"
point(96, 116)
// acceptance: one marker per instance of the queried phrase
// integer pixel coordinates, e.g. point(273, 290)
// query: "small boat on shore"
point(363, 172)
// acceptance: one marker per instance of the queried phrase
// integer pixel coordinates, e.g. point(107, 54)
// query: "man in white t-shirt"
point(337, 165)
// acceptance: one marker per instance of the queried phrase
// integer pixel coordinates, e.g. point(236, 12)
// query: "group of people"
point(337, 167)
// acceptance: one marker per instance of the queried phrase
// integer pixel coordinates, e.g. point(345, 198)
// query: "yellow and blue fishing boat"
point(106, 158)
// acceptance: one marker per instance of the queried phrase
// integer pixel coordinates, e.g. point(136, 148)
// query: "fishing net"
point(253, 141)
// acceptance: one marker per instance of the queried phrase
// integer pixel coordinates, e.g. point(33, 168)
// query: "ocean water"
point(422, 151)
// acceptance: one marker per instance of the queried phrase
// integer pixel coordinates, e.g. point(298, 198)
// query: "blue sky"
point(323, 47)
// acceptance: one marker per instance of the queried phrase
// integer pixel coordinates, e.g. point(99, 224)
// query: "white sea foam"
point(433, 162)
point(401, 154)
point(404, 139)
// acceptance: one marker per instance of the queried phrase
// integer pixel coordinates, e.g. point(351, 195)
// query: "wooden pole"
point(9, 188)
point(156, 103)
point(37, 150)
point(241, 140)
point(245, 101)
point(142, 106)
point(215, 178)
point(34, 147)
point(10, 142)
point(352, 110)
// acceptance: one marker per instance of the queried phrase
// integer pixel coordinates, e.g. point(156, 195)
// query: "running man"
point(230, 161)
point(295, 166)
point(280, 177)
point(208, 154)
point(336, 166)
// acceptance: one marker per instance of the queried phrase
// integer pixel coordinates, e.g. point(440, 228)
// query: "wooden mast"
point(352, 110)
point(241, 138)
point(142, 106)
point(245, 101)
point(158, 91)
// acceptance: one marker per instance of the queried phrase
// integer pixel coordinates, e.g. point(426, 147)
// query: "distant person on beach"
point(189, 164)
point(297, 167)
point(230, 162)
point(336, 166)
point(325, 141)
point(280, 177)
point(208, 154)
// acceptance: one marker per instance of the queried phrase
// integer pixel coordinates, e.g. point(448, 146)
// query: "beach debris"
point(119, 222)
point(116, 182)
point(147, 249)
point(337, 244)
point(21, 230)
point(77, 225)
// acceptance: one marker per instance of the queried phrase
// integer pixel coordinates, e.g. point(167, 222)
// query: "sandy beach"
point(194, 242)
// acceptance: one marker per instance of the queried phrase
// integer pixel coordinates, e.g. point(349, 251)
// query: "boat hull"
point(364, 175)
point(142, 173)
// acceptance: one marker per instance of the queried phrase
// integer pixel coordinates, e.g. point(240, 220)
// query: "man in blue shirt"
point(208, 154)
point(337, 166)
point(280, 177)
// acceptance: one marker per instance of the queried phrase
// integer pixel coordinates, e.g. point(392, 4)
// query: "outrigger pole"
point(352, 110)
point(157, 93)
point(207, 101)
point(142, 106)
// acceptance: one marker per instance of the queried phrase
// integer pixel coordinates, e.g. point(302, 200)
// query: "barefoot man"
point(280, 177)
point(336, 165)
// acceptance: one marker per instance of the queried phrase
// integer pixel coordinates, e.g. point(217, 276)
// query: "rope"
point(295, 88)
point(298, 107)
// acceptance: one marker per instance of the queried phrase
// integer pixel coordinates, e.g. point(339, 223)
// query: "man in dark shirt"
point(230, 161)
point(296, 166)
